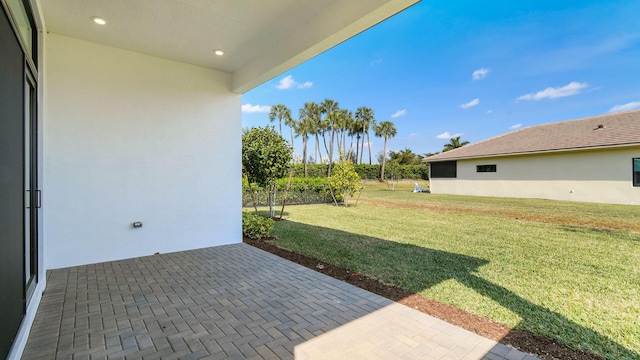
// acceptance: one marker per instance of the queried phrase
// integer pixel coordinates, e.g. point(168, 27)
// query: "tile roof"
point(604, 131)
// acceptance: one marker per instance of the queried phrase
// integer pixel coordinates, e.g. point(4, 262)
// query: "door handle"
point(38, 199)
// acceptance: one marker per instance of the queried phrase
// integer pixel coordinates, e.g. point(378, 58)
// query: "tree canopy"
point(454, 143)
point(406, 157)
point(265, 155)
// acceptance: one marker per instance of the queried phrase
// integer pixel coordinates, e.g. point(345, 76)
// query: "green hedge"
point(366, 171)
point(303, 191)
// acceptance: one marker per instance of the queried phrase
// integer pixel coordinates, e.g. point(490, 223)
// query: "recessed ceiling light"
point(219, 52)
point(99, 20)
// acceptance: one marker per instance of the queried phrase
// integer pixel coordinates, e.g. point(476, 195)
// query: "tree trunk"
point(357, 148)
point(272, 199)
point(305, 140)
point(344, 141)
point(291, 129)
point(324, 141)
point(286, 192)
point(369, 144)
point(362, 145)
point(331, 152)
point(384, 158)
point(318, 149)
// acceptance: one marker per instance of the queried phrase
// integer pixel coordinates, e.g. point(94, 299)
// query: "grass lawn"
point(569, 271)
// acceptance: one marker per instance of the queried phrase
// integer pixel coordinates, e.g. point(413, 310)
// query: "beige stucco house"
point(123, 112)
point(595, 159)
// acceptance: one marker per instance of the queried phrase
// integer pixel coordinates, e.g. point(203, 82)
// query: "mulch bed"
point(525, 341)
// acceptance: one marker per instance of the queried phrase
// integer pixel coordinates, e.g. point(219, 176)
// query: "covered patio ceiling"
point(260, 39)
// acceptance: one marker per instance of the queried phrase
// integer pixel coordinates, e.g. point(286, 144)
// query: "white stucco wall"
point(602, 176)
point(129, 137)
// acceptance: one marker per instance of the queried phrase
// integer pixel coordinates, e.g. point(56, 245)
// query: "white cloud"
point(399, 113)
point(375, 62)
point(480, 74)
point(288, 82)
point(573, 88)
point(414, 134)
point(489, 111)
point(471, 103)
point(516, 126)
point(248, 108)
point(625, 107)
point(447, 135)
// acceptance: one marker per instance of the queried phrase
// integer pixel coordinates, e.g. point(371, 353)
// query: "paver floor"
point(233, 302)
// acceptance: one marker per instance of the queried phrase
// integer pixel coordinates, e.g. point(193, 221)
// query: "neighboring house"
point(134, 121)
point(595, 159)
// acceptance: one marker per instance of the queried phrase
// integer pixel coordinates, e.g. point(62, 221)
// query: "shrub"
point(367, 171)
point(255, 226)
point(345, 181)
point(316, 184)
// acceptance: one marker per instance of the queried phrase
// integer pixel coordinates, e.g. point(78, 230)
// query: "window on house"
point(486, 168)
point(636, 172)
point(444, 169)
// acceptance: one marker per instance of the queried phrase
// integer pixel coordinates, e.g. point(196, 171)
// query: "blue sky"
point(472, 68)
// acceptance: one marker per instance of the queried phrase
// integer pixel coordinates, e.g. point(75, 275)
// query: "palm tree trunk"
point(369, 144)
point(291, 130)
point(362, 145)
point(331, 152)
point(357, 148)
point(384, 158)
point(317, 148)
point(324, 141)
point(350, 147)
point(305, 140)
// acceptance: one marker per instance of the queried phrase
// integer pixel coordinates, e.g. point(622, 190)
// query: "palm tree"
point(385, 130)
point(454, 143)
point(355, 129)
point(372, 123)
point(303, 128)
point(312, 111)
point(291, 123)
point(280, 112)
point(343, 121)
point(364, 115)
point(331, 109)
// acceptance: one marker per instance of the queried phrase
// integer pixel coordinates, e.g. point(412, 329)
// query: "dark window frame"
point(635, 172)
point(486, 168)
point(18, 9)
point(444, 169)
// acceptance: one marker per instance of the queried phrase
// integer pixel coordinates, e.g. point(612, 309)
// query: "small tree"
point(344, 182)
point(393, 169)
point(266, 157)
point(385, 130)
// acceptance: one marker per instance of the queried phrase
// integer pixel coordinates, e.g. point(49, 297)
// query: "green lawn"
point(570, 271)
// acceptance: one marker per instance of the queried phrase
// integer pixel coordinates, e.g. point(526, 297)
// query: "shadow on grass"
point(415, 269)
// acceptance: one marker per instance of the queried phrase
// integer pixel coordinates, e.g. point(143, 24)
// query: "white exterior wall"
point(129, 137)
point(602, 176)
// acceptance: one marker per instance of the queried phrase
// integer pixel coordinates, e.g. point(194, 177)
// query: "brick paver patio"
point(233, 302)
